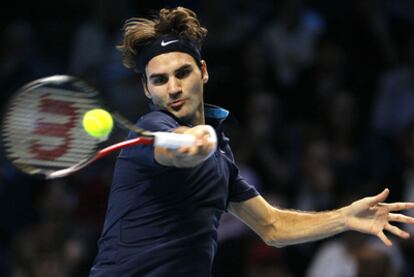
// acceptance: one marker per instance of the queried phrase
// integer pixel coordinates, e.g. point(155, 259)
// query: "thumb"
point(380, 197)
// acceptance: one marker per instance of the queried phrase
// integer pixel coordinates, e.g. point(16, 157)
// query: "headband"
point(166, 44)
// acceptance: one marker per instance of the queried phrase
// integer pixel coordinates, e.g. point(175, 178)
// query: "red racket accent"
point(102, 153)
point(123, 144)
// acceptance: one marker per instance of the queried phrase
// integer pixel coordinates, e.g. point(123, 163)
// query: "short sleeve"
point(240, 190)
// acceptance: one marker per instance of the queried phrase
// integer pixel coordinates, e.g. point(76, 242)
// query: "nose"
point(174, 86)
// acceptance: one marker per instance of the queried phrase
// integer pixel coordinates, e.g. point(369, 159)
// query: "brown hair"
point(138, 32)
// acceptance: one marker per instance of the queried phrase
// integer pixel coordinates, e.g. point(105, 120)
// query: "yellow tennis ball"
point(98, 123)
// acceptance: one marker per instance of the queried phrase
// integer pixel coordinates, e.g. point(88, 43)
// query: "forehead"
point(168, 62)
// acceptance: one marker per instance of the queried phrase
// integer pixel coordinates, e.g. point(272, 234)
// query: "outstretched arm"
point(279, 227)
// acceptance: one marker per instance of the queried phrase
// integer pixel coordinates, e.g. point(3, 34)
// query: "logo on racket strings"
point(46, 129)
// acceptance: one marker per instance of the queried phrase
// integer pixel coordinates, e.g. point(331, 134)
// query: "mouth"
point(176, 104)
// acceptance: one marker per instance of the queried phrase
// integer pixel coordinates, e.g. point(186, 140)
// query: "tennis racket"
point(42, 130)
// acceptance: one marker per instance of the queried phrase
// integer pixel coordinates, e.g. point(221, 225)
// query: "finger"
point(384, 238)
point(202, 131)
point(211, 141)
point(379, 197)
point(398, 206)
point(397, 231)
point(203, 140)
point(193, 150)
point(183, 149)
point(205, 148)
point(199, 142)
point(400, 218)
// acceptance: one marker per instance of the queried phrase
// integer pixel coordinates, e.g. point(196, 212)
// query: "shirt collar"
point(215, 115)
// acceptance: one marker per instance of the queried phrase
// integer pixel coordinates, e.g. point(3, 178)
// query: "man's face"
point(175, 83)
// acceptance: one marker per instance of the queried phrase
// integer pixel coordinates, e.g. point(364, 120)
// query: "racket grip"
point(172, 140)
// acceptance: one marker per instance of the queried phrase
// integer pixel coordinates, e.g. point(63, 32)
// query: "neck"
point(198, 118)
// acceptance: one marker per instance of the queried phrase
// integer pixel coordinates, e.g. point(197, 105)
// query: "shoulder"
point(157, 121)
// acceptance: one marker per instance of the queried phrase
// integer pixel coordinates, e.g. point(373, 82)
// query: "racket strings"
point(42, 130)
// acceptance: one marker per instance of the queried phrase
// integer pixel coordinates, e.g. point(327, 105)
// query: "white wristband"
point(175, 140)
point(172, 140)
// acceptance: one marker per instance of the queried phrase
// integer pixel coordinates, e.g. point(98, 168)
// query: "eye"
point(159, 80)
point(182, 73)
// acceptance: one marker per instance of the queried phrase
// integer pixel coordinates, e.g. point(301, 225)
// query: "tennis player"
point(165, 205)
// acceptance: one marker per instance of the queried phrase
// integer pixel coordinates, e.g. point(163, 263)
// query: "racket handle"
point(172, 140)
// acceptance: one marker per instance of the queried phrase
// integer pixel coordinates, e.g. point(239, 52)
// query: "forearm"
point(278, 227)
point(293, 227)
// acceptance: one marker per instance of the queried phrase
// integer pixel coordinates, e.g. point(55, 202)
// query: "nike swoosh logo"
point(165, 43)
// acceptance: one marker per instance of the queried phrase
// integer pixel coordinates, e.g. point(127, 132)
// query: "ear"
point(204, 71)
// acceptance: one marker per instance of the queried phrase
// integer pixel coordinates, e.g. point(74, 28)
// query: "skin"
point(175, 83)
point(278, 227)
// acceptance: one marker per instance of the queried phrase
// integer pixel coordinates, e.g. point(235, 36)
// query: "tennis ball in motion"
point(98, 123)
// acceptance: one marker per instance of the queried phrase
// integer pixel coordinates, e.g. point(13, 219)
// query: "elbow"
point(275, 243)
point(272, 238)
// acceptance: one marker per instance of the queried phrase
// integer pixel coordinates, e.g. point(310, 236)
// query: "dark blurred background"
point(322, 96)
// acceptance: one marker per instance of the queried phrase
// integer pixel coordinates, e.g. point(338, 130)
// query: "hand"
point(370, 215)
point(205, 141)
point(204, 145)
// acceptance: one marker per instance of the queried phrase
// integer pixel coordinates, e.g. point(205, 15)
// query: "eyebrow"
point(183, 67)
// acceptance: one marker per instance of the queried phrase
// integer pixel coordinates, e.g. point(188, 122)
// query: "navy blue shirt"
point(162, 221)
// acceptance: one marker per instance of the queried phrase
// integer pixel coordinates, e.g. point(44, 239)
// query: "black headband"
point(166, 44)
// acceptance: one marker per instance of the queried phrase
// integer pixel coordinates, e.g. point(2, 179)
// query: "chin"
point(185, 117)
point(178, 114)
